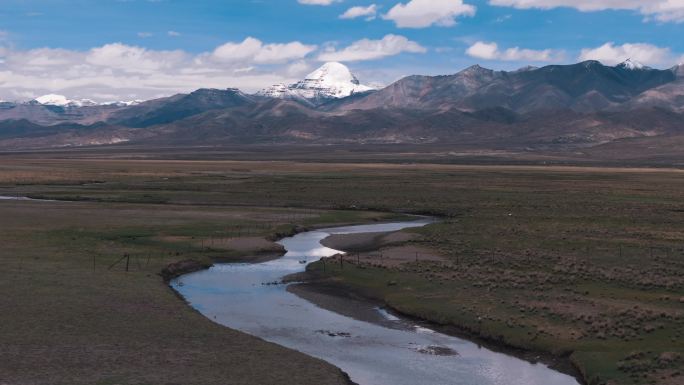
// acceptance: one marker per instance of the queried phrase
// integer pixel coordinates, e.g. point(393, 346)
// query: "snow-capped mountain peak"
point(631, 65)
point(53, 100)
point(62, 101)
point(333, 73)
point(330, 81)
point(122, 103)
point(279, 90)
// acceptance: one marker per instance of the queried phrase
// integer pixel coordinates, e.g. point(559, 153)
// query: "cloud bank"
point(612, 54)
point(119, 71)
point(425, 13)
point(368, 12)
point(660, 10)
point(491, 51)
point(366, 49)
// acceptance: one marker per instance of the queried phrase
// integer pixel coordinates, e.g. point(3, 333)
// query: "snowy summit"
point(62, 101)
point(631, 65)
point(331, 81)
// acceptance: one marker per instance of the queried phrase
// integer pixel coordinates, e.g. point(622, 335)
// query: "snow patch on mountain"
point(331, 81)
point(122, 103)
point(279, 90)
point(631, 65)
point(526, 69)
point(679, 70)
point(62, 101)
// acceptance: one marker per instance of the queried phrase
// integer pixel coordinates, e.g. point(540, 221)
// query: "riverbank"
point(355, 302)
point(247, 297)
point(389, 250)
point(384, 275)
point(576, 259)
point(73, 315)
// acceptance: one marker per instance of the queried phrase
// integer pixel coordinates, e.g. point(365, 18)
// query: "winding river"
point(15, 198)
point(23, 198)
point(385, 350)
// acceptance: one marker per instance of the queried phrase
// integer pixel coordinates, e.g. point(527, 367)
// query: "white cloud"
point(298, 68)
point(368, 12)
point(424, 13)
point(173, 33)
point(279, 53)
point(661, 10)
point(133, 72)
point(318, 2)
point(145, 34)
point(243, 69)
point(133, 59)
point(490, 51)
point(255, 50)
point(612, 54)
point(366, 49)
point(40, 59)
point(482, 50)
point(503, 18)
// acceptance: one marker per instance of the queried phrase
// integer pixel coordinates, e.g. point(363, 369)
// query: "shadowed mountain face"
point(584, 87)
point(48, 115)
point(554, 107)
point(167, 110)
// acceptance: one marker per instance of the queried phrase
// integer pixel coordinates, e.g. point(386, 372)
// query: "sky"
point(110, 50)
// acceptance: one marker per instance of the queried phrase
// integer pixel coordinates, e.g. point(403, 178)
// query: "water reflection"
point(393, 352)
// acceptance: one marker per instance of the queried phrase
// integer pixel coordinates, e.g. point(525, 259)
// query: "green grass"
point(68, 318)
point(532, 255)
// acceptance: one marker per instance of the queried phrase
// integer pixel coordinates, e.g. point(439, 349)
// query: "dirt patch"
point(243, 245)
point(367, 241)
point(177, 269)
point(382, 248)
point(332, 298)
point(398, 255)
point(256, 245)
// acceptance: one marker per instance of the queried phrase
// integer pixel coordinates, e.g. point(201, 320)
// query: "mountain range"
point(563, 107)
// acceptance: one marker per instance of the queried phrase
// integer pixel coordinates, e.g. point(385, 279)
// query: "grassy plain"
point(582, 262)
point(68, 318)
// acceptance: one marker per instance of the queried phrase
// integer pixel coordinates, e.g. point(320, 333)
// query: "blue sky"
point(171, 45)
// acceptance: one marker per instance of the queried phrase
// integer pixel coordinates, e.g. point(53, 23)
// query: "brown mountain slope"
point(585, 87)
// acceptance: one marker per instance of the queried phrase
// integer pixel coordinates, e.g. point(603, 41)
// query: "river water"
point(394, 351)
point(14, 198)
point(21, 198)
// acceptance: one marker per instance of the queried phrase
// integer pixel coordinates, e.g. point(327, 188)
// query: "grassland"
point(582, 262)
point(69, 315)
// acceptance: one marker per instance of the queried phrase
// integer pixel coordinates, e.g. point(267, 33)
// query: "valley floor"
point(582, 262)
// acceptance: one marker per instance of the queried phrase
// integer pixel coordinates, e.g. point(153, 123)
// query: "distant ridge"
point(564, 107)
